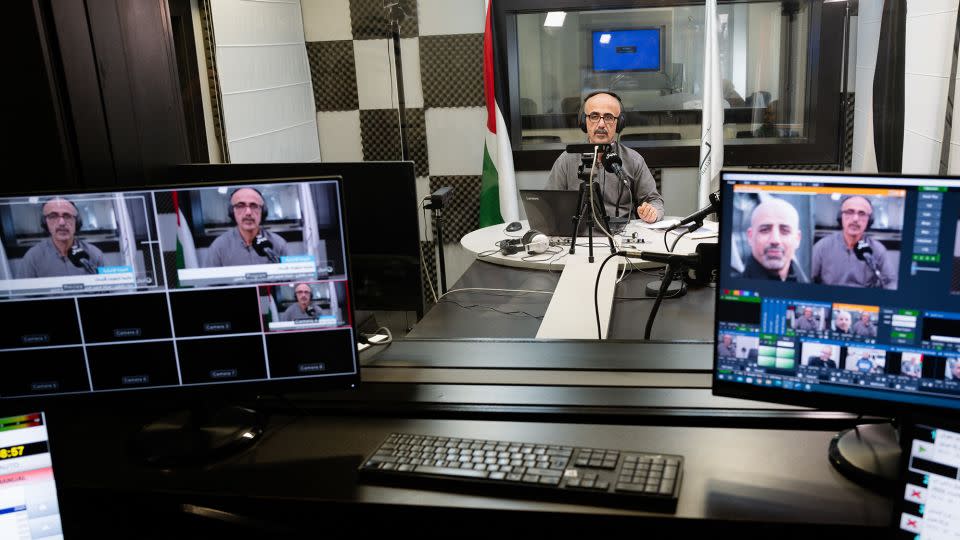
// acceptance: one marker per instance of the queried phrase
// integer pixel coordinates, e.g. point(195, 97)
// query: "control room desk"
point(756, 483)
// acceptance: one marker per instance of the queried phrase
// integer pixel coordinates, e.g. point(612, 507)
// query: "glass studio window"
point(653, 57)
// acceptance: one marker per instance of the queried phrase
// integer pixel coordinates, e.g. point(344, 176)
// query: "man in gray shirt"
point(835, 260)
point(806, 322)
point(248, 242)
point(305, 308)
point(726, 348)
point(602, 119)
point(62, 254)
point(864, 327)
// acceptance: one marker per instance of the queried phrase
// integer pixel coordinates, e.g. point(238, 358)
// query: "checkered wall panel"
point(462, 213)
point(369, 19)
point(380, 134)
point(334, 75)
point(451, 70)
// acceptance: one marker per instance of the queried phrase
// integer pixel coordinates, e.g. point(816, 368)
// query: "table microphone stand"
point(583, 203)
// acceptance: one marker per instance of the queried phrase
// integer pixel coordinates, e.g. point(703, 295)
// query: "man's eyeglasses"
point(596, 117)
point(53, 216)
point(240, 207)
point(850, 212)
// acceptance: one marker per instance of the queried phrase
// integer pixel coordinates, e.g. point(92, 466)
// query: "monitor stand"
point(868, 455)
point(198, 435)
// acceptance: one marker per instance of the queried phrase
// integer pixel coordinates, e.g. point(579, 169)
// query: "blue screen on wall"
point(626, 50)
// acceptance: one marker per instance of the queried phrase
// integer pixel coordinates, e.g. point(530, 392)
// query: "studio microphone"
point(864, 252)
point(264, 247)
point(81, 259)
point(697, 217)
point(311, 311)
point(613, 163)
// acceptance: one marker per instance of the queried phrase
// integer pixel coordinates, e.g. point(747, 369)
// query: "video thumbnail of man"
point(911, 364)
point(304, 305)
point(855, 321)
point(848, 237)
point(738, 346)
point(78, 243)
point(856, 238)
point(865, 360)
point(254, 234)
point(952, 372)
point(819, 355)
point(811, 318)
point(769, 239)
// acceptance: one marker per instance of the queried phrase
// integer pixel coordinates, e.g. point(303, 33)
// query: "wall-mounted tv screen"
point(627, 50)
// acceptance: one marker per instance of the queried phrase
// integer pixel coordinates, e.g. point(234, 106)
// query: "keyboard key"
point(451, 472)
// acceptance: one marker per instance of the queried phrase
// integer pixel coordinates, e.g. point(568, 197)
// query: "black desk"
point(687, 318)
point(302, 476)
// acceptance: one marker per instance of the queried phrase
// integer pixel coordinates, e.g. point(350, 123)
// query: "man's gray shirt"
point(295, 313)
point(229, 249)
point(563, 176)
point(836, 264)
point(804, 323)
point(43, 260)
point(864, 329)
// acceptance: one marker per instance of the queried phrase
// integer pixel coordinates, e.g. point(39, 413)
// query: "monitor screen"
point(29, 506)
point(626, 50)
point(385, 261)
point(928, 498)
point(839, 291)
point(175, 287)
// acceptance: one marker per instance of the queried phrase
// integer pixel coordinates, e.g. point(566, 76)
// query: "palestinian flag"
point(498, 189)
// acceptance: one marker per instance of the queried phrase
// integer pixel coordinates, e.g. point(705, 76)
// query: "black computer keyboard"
point(598, 476)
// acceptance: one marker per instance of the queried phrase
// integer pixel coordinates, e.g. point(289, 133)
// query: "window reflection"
point(653, 59)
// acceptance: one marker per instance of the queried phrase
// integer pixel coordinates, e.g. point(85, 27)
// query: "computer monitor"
point(385, 260)
point(840, 291)
point(200, 290)
point(634, 49)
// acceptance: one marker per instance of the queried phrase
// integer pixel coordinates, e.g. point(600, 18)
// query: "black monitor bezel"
point(817, 400)
point(203, 392)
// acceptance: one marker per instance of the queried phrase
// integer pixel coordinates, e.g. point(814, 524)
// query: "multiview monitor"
point(206, 286)
point(840, 291)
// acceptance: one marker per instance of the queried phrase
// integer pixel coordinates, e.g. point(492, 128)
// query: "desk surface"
point(480, 314)
point(773, 479)
point(483, 243)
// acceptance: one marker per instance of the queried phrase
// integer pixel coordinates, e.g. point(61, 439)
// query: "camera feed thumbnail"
point(78, 243)
point(810, 318)
point(911, 364)
point(854, 321)
point(739, 346)
point(848, 237)
point(820, 355)
point(254, 234)
point(304, 306)
point(865, 360)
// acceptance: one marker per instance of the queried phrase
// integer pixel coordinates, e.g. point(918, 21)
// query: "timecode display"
point(21, 450)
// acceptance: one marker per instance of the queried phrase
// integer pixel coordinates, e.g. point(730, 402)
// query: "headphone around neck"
point(840, 210)
point(582, 116)
point(43, 219)
point(233, 218)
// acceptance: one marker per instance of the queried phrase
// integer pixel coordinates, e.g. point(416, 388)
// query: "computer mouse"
point(515, 226)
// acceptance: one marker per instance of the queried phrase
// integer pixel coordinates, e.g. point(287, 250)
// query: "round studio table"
point(483, 243)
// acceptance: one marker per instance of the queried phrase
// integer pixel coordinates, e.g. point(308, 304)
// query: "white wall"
point(268, 108)
point(931, 25)
point(868, 37)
